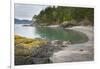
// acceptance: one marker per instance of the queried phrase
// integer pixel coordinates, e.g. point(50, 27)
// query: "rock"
point(35, 51)
point(19, 60)
point(56, 42)
point(68, 24)
point(81, 50)
point(22, 51)
point(41, 54)
point(66, 43)
point(43, 51)
point(41, 60)
point(59, 43)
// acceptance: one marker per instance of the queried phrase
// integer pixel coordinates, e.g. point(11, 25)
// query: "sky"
point(27, 11)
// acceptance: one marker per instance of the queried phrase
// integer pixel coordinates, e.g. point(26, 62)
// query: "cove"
point(50, 33)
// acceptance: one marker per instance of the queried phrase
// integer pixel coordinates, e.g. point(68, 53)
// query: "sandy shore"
point(77, 52)
point(53, 26)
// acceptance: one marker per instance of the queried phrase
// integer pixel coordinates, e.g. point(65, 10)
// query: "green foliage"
point(57, 15)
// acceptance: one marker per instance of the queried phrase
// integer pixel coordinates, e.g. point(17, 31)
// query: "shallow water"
point(49, 33)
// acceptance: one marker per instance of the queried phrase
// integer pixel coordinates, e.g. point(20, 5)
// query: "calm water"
point(49, 33)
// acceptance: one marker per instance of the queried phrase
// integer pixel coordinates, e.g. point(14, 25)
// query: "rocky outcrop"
point(42, 54)
point(68, 23)
point(60, 43)
point(39, 54)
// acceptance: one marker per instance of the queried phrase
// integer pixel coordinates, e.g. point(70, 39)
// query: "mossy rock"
point(22, 51)
point(22, 60)
point(24, 46)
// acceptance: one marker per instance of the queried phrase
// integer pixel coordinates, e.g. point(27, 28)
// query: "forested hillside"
point(57, 15)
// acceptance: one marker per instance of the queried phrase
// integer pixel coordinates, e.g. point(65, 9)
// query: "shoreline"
point(73, 52)
point(70, 53)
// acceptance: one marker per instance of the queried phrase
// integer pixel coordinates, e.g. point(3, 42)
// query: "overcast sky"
point(27, 11)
